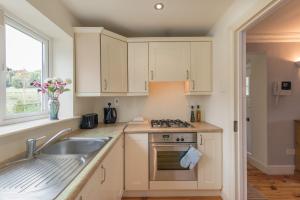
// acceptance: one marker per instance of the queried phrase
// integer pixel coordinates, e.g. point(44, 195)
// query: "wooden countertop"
point(146, 128)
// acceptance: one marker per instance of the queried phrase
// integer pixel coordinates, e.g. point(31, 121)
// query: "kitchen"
point(151, 60)
point(147, 75)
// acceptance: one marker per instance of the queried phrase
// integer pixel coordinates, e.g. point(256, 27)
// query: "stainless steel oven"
point(166, 151)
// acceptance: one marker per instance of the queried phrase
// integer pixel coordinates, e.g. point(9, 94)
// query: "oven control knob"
point(182, 139)
point(177, 139)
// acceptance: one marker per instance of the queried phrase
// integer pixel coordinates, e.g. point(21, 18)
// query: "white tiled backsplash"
point(165, 100)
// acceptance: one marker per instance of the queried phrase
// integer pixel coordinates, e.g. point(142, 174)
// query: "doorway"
point(256, 118)
point(256, 106)
point(252, 142)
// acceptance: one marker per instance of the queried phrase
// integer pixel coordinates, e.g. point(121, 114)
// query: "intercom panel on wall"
point(282, 88)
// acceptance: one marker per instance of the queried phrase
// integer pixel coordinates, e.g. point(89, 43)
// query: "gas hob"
point(170, 123)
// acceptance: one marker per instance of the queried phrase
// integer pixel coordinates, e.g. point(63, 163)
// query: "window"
point(26, 59)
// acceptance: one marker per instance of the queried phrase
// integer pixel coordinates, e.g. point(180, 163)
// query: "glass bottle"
point(192, 114)
point(198, 114)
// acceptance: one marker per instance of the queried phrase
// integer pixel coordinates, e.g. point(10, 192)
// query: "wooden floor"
point(272, 187)
point(176, 198)
point(275, 187)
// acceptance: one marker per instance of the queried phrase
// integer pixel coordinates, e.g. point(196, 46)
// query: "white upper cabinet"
point(87, 59)
point(113, 64)
point(169, 61)
point(210, 165)
point(108, 64)
point(101, 62)
point(138, 68)
point(201, 69)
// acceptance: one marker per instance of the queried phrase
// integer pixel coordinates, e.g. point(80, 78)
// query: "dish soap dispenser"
point(198, 114)
point(192, 114)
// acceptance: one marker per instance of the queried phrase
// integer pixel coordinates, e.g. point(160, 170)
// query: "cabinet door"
point(136, 161)
point(201, 67)
point(107, 181)
point(112, 173)
point(169, 61)
point(87, 60)
point(210, 165)
point(91, 190)
point(297, 145)
point(113, 64)
point(138, 67)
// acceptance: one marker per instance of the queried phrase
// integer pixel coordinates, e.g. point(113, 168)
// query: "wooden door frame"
point(238, 35)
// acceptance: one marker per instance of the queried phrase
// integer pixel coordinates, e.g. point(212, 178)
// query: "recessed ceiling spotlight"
point(159, 6)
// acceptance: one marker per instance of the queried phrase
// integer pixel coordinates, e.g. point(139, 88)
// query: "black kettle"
point(110, 115)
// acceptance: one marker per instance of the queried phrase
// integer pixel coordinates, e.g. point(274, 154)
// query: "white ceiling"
point(139, 18)
point(284, 20)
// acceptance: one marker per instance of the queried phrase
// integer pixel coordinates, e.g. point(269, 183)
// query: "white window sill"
point(29, 125)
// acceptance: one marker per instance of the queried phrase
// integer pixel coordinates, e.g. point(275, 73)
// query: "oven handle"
point(174, 145)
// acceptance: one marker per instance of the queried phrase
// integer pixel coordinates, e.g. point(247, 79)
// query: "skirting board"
point(173, 185)
point(272, 169)
point(172, 193)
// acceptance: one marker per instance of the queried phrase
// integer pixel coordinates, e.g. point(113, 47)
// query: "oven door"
point(165, 162)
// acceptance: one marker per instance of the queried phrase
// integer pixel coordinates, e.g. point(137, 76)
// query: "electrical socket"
point(116, 102)
point(290, 151)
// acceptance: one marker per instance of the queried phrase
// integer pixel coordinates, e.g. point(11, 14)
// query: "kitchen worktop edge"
point(197, 127)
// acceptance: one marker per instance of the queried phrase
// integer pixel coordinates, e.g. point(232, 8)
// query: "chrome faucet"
point(32, 150)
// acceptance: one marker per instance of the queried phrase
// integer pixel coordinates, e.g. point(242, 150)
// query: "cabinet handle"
point(145, 85)
point(104, 174)
point(105, 84)
point(187, 75)
point(193, 84)
point(152, 74)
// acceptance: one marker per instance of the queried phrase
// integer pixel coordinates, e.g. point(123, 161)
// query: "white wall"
point(84, 105)
point(166, 100)
point(57, 13)
point(281, 66)
point(62, 67)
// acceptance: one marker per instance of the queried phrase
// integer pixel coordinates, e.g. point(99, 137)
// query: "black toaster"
point(89, 121)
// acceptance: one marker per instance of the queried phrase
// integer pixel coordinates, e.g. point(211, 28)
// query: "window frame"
point(46, 69)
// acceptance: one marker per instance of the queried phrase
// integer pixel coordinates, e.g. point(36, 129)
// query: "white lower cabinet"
point(91, 188)
point(136, 162)
point(210, 165)
point(107, 181)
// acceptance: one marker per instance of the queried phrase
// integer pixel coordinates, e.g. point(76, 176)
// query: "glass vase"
point(53, 105)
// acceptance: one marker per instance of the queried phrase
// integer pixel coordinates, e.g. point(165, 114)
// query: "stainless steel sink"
point(85, 146)
point(46, 175)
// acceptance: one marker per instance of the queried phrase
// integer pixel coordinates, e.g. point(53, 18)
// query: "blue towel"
point(191, 158)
